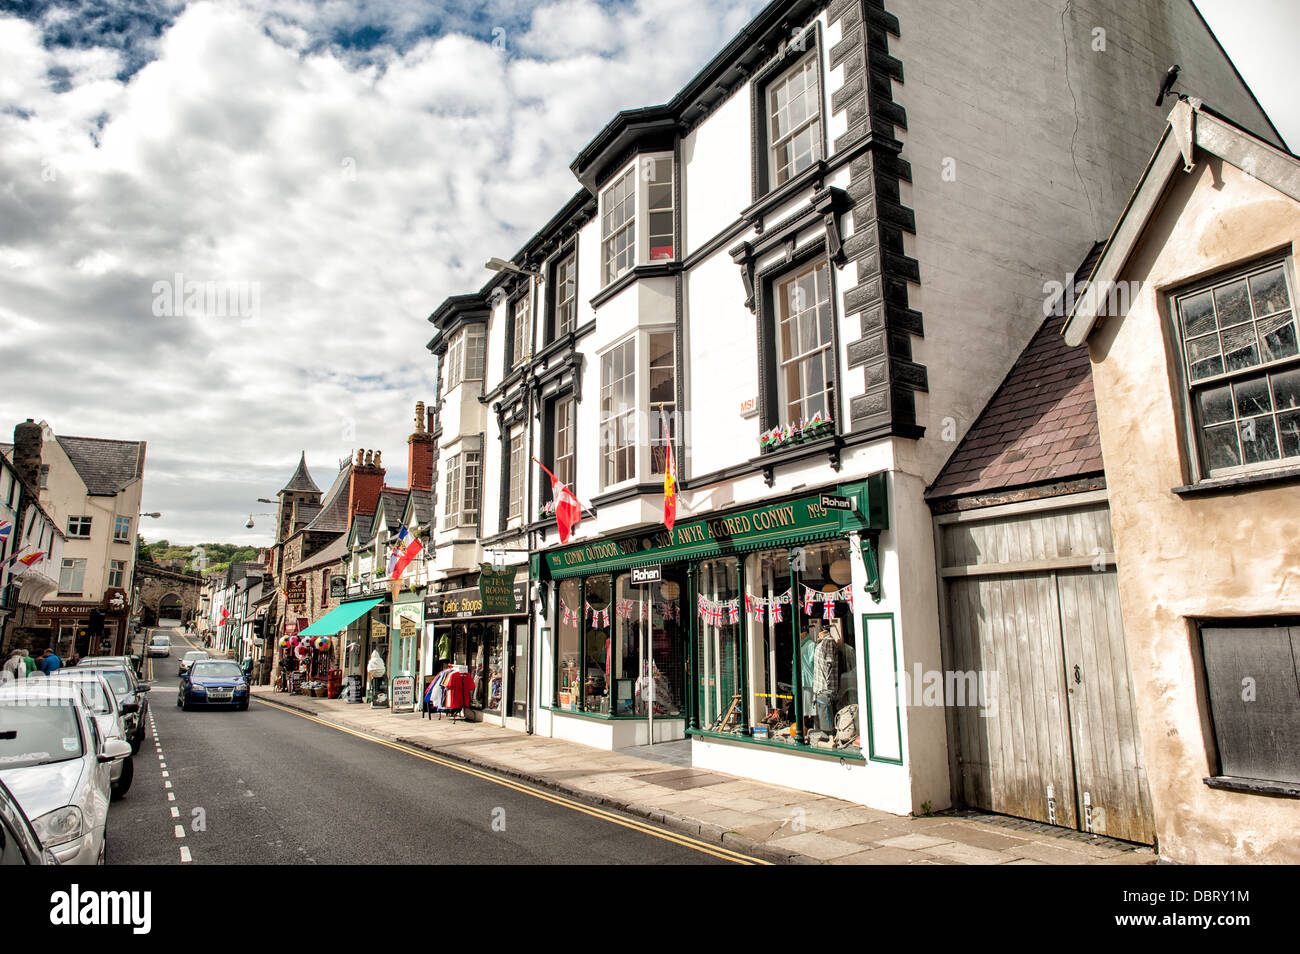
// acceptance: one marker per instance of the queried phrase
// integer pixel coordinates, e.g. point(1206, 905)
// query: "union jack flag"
point(777, 615)
point(733, 612)
point(808, 598)
point(828, 609)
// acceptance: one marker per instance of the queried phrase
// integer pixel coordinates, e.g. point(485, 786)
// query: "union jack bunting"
point(733, 611)
point(777, 615)
point(808, 598)
point(760, 609)
point(828, 609)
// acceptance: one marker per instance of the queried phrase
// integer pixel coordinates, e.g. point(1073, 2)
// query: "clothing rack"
point(449, 694)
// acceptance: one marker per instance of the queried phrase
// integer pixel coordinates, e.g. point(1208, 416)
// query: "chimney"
point(27, 453)
point(365, 483)
point(419, 461)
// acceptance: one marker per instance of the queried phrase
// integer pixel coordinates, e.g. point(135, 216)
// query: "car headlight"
point(60, 826)
point(195, 687)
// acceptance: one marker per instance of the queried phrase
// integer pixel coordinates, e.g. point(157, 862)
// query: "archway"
point(171, 610)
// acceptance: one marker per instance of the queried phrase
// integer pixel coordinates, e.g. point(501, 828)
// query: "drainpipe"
point(528, 513)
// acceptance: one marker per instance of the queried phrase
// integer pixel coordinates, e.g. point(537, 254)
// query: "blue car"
point(213, 682)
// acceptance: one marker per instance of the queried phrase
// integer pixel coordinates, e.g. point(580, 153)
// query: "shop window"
point(1240, 357)
point(568, 647)
point(597, 649)
point(1252, 674)
point(648, 653)
point(486, 668)
point(771, 648)
point(717, 663)
point(828, 645)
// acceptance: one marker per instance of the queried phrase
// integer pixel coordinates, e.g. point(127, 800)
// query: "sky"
point(224, 223)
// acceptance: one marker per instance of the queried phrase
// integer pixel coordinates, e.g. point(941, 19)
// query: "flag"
point(405, 549)
point(225, 615)
point(670, 490)
point(31, 559)
point(5, 529)
point(568, 512)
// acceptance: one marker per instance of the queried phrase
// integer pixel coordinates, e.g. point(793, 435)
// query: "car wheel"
point(179, 702)
point(124, 780)
point(243, 707)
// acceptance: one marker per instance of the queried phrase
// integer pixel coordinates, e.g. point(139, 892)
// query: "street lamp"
point(249, 525)
point(501, 265)
point(155, 515)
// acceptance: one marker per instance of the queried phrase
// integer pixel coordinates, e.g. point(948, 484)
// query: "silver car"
point(56, 764)
point(108, 716)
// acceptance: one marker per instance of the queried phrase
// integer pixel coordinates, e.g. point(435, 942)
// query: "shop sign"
point(63, 610)
point(402, 694)
point(468, 602)
point(642, 575)
point(338, 587)
point(290, 627)
point(297, 591)
point(115, 601)
point(497, 589)
point(837, 502)
point(773, 524)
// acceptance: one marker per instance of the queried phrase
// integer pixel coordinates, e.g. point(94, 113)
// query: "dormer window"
point(638, 217)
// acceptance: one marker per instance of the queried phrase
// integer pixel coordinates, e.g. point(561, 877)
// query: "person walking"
point(30, 662)
point(15, 665)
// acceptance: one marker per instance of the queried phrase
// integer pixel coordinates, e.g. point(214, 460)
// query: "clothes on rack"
point(458, 688)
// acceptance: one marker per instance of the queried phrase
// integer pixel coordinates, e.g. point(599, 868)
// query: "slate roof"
point(105, 466)
point(394, 506)
point(301, 479)
point(333, 516)
point(1040, 426)
point(332, 552)
point(422, 503)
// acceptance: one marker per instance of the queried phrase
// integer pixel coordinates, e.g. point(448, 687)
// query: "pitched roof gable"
point(105, 466)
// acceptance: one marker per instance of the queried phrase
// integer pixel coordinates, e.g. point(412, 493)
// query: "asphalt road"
point(269, 787)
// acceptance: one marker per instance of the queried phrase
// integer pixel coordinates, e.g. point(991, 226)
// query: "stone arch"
point(171, 607)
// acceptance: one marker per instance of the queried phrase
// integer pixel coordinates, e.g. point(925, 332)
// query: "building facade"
point(803, 276)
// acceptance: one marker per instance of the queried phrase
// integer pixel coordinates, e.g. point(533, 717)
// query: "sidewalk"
point(767, 821)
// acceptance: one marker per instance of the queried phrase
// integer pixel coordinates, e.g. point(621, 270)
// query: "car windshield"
point(191, 657)
point(161, 641)
point(216, 670)
point(90, 688)
point(38, 731)
point(116, 680)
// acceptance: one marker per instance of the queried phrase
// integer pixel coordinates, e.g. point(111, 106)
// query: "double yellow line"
point(632, 824)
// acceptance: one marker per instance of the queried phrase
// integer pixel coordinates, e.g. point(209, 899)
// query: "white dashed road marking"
point(180, 831)
point(185, 854)
point(176, 812)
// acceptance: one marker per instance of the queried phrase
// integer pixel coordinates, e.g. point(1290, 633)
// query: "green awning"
point(337, 620)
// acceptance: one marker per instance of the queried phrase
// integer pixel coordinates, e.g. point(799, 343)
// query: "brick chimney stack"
point(27, 452)
point(420, 447)
point(365, 483)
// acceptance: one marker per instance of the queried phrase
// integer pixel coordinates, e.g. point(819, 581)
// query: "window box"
point(801, 432)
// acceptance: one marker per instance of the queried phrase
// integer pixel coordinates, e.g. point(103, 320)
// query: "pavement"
point(770, 822)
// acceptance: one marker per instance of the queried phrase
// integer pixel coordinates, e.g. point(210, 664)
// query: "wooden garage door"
point(1060, 743)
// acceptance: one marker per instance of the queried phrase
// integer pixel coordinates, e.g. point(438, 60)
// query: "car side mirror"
point(115, 749)
point(144, 687)
point(130, 707)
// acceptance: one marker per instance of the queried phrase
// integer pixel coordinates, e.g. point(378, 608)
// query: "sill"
point(839, 755)
point(635, 273)
point(606, 716)
point(813, 176)
point(1218, 485)
point(1257, 786)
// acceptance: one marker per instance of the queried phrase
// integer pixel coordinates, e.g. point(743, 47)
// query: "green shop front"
point(743, 627)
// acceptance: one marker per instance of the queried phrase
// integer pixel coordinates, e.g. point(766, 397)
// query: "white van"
point(160, 644)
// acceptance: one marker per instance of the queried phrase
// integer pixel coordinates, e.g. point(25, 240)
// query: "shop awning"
point(338, 619)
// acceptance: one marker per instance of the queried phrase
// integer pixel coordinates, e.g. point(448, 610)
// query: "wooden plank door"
point(1014, 754)
point(1112, 794)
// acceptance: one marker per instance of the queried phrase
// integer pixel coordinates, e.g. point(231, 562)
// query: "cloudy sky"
point(332, 170)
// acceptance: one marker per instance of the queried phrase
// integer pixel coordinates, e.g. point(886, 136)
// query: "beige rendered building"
point(92, 488)
point(1191, 328)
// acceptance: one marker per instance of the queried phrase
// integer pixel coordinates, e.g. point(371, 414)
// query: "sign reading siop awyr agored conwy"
point(779, 523)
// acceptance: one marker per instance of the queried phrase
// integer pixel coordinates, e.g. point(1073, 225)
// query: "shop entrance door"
point(653, 626)
point(518, 651)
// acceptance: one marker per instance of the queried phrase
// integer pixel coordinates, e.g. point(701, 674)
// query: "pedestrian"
point(50, 662)
point(75, 658)
point(30, 662)
point(15, 666)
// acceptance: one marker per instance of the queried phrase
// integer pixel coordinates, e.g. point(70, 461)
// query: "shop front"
point(492, 647)
point(86, 628)
point(406, 626)
point(744, 628)
point(314, 658)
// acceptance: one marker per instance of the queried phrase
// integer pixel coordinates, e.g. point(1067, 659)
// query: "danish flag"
point(568, 512)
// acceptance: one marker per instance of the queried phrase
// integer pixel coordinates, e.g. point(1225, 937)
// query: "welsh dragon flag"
point(568, 512)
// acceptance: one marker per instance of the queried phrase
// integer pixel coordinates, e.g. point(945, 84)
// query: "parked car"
point(18, 842)
point(160, 644)
point(57, 766)
point(131, 694)
point(103, 703)
point(190, 658)
point(213, 682)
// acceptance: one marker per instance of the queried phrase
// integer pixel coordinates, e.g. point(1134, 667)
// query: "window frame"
point(467, 476)
point(83, 524)
point(515, 485)
point(637, 171)
point(561, 404)
point(567, 259)
point(118, 568)
point(611, 421)
point(771, 390)
point(808, 45)
point(1193, 435)
point(118, 521)
point(458, 363)
point(77, 566)
point(520, 336)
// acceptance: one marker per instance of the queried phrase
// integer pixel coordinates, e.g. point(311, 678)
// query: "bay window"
point(465, 356)
point(638, 393)
point(463, 486)
point(618, 411)
point(638, 216)
point(1240, 358)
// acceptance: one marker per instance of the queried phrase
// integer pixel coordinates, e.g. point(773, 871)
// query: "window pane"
point(828, 646)
point(1252, 397)
point(718, 649)
point(1288, 427)
point(1258, 440)
point(1286, 389)
point(1279, 336)
point(1240, 350)
point(567, 646)
point(1221, 447)
point(1216, 405)
point(1269, 291)
point(597, 649)
point(1197, 312)
point(769, 678)
point(1233, 302)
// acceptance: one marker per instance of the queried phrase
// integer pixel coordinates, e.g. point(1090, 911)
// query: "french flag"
point(405, 549)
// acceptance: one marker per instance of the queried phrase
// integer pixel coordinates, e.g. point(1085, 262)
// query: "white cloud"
point(355, 188)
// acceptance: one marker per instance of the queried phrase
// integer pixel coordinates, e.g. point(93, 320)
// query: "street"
point(269, 786)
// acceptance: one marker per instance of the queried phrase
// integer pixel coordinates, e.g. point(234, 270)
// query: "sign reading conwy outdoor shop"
point(782, 523)
point(403, 694)
point(497, 589)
